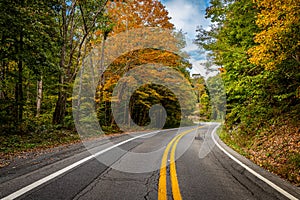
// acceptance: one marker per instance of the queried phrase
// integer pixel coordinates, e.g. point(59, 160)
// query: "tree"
point(139, 15)
point(228, 41)
point(278, 49)
point(256, 45)
point(28, 37)
point(258, 58)
point(78, 20)
point(203, 100)
point(216, 92)
point(279, 39)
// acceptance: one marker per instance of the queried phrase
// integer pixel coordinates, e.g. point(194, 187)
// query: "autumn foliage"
point(256, 45)
point(141, 34)
point(130, 14)
point(279, 39)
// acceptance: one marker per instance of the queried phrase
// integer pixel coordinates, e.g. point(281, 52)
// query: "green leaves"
point(256, 44)
point(250, 90)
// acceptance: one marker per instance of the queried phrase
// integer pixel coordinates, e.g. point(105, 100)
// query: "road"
point(190, 163)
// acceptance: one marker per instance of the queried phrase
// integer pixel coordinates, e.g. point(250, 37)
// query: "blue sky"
point(187, 15)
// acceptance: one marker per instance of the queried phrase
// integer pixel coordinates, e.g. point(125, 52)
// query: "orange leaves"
point(137, 14)
point(278, 150)
point(141, 34)
point(222, 70)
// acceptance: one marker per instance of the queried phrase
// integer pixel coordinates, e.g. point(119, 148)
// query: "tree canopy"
point(44, 45)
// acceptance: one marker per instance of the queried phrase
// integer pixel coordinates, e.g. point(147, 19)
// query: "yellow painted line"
point(173, 174)
point(162, 184)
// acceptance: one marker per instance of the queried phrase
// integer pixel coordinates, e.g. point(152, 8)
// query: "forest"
point(256, 43)
point(47, 49)
point(46, 45)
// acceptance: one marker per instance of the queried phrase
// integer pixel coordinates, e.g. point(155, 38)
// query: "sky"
point(187, 15)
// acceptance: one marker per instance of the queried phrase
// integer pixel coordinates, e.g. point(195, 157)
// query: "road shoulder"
point(293, 190)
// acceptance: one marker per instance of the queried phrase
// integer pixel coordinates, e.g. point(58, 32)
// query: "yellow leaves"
point(142, 93)
point(145, 56)
point(279, 38)
point(111, 82)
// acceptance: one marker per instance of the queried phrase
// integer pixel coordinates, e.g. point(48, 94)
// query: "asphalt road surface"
point(190, 163)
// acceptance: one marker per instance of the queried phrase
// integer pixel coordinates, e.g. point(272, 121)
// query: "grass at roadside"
point(225, 137)
point(12, 144)
point(276, 149)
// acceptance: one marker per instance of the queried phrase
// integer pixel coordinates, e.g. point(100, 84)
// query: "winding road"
point(185, 163)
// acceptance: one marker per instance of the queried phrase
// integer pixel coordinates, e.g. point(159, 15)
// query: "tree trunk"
point(60, 108)
point(129, 117)
point(70, 52)
point(2, 78)
point(61, 103)
point(19, 86)
point(101, 72)
point(125, 114)
point(79, 95)
point(39, 96)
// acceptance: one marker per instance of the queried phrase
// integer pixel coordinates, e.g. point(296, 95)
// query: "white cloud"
point(187, 15)
point(190, 46)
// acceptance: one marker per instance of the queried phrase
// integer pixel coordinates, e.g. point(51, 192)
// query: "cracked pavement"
point(203, 172)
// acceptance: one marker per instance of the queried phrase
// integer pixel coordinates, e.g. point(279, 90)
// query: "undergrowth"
point(275, 147)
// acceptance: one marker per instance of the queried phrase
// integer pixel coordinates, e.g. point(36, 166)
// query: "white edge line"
point(279, 189)
point(61, 171)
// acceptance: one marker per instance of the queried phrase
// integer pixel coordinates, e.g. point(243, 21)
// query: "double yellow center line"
point(162, 184)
